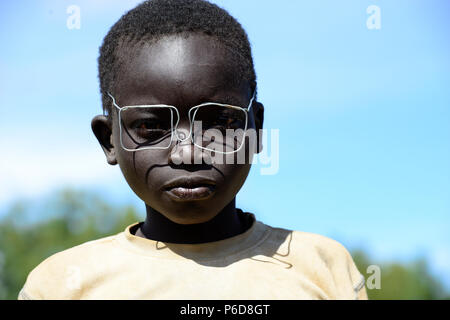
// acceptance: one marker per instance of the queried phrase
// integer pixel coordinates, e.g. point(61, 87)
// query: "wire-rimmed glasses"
point(213, 126)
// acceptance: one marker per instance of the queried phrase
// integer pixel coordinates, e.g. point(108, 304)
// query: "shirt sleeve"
point(37, 280)
point(358, 280)
point(360, 289)
point(23, 295)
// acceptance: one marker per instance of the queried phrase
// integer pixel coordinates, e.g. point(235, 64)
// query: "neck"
point(225, 224)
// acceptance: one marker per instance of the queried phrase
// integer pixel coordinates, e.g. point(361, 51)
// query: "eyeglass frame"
point(175, 127)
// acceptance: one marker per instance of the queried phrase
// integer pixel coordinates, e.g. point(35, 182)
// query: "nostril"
point(176, 155)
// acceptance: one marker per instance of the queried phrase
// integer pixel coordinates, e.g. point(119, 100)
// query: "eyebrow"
point(227, 99)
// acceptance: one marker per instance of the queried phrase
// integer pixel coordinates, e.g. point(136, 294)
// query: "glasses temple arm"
point(251, 100)
point(114, 101)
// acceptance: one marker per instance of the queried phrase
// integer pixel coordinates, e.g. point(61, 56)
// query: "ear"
point(102, 129)
point(258, 115)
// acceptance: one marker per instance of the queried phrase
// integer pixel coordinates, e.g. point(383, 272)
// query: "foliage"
point(400, 281)
point(29, 235)
point(72, 218)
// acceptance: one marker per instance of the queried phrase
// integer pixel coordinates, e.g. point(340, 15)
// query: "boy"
point(175, 75)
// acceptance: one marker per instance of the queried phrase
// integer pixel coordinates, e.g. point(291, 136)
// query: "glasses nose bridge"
point(183, 135)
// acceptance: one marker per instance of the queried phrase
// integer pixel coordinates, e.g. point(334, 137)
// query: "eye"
point(228, 121)
point(220, 118)
point(151, 124)
point(148, 124)
point(150, 129)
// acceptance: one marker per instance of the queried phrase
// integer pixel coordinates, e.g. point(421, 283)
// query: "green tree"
point(401, 281)
point(71, 218)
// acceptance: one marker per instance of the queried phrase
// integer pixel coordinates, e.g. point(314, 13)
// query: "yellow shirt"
point(262, 263)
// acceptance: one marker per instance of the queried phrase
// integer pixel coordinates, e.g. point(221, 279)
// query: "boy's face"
point(182, 72)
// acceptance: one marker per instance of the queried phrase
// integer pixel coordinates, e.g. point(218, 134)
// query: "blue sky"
point(363, 116)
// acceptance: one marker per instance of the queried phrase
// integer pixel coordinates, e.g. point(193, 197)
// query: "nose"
point(185, 153)
point(182, 134)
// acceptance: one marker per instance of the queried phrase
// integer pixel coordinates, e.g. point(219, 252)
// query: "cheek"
point(132, 164)
point(131, 170)
point(137, 166)
point(234, 177)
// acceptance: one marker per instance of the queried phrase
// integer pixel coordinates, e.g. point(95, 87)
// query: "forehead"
point(178, 70)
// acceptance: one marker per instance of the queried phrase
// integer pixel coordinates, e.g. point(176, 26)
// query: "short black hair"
point(154, 19)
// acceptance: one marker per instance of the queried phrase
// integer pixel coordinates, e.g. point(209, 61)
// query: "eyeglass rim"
point(175, 127)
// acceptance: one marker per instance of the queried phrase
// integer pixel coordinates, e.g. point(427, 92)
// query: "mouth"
point(190, 189)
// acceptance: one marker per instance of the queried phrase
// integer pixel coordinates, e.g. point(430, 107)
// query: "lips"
point(190, 189)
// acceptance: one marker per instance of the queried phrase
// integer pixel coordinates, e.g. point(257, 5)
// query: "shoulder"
point(324, 259)
point(325, 248)
point(51, 276)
